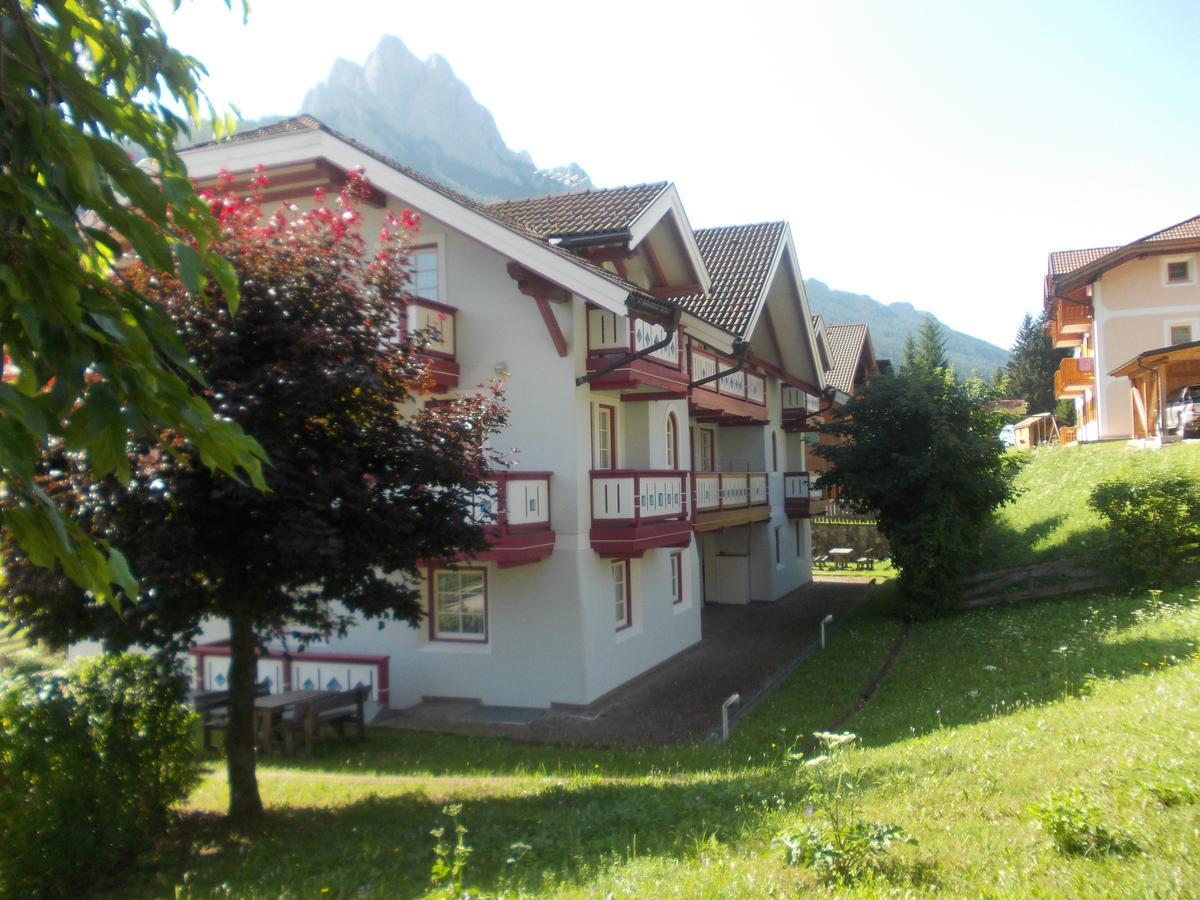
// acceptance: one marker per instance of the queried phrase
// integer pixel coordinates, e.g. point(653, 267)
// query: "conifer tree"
point(1030, 370)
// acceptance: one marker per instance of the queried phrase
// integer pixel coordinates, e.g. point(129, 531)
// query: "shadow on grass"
point(381, 846)
point(1002, 545)
point(977, 665)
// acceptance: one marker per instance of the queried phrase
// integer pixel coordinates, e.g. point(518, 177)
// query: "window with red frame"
point(622, 602)
point(676, 578)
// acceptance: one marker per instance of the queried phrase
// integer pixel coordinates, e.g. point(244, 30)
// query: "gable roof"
point(739, 259)
point(846, 345)
point(1071, 268)
point(604, 211)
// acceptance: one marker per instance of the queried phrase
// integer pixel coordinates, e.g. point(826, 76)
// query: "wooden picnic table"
point(270, 709)
point(841, 556)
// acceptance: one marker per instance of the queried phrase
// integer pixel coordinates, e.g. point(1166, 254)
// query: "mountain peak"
point(420, 113)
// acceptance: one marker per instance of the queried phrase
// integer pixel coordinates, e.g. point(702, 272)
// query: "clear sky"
point(932, 152)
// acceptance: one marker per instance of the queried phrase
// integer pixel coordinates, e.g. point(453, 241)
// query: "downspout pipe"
point(672, 326)
point(741, 349)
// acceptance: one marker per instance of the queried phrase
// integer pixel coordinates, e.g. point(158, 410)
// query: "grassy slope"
point(1051, 517)
point(981, 716)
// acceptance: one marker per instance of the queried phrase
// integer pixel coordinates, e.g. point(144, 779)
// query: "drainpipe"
point(741, 349)
point(672, 326)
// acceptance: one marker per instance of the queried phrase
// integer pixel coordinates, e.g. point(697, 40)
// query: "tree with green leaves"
point(365, 481)
point(921, 450)
point(927, 351)
point(89, 360)
point(1030, 370)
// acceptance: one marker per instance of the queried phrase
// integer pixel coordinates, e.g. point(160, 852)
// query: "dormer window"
point(1179, 270)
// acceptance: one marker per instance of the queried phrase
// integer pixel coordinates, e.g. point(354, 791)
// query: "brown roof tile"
point(738, 259)
point(602, 211)
point(1187, 229)
point(845, 349)
point(1063, 262)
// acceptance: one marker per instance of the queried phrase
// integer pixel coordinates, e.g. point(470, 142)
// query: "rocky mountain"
point(419, 113)
point(891, 323)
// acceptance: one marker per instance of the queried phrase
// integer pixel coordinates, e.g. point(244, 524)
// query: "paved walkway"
point(743, 650)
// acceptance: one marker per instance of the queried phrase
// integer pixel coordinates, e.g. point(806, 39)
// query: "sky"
point(925, 151)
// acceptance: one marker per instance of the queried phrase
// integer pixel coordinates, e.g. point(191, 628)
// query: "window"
point(676, 578)
point(423, 273)
point(705, 450)
point(774, 453)
point(622, 608)
point(796, 524)
point(605, 451)
point(672, 442)
point(778, 552)
point(459, 605)
point(1181, 334)
point(1178, 271)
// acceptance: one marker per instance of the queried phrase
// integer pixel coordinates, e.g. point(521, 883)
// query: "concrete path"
point(743, 650)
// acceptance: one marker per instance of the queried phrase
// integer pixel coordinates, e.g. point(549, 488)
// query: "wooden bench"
point(339, 710)
point(213, 707)
point(866, 561)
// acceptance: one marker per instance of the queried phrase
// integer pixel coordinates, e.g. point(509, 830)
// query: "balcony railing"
point(730, 490)
point(1069, 323)
point(1074, 376)
point(514, 509)
point(439, 322)
point(801, 499)
point(634, 510)
point(797, 404)
point(611, 336)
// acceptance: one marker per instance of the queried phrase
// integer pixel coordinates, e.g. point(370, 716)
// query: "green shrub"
point(1075, 824)
point(90, 763)
point(1155, 524)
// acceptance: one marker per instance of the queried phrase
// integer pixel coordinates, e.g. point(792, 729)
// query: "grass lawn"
point(1051, 517)
point(981, 716)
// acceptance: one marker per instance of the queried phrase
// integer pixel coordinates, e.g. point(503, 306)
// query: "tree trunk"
point(244, 801)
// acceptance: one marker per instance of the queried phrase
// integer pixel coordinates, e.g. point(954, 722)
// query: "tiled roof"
point(845, 349)
point(586, 212)
point(1189, 228)
point(738, 259)
point(304, 123)
point(1063, 262)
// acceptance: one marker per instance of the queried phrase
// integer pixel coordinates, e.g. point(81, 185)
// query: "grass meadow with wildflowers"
point(1041, 749)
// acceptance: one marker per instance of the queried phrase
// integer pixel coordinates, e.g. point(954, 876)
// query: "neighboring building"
point(1114, 305)
point(851, 361)
point(657, 379)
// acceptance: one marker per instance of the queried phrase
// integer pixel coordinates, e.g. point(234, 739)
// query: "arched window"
point(672, 442)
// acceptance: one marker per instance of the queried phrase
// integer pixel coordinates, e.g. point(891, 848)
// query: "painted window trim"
point(432, 606)
point(435, 242)
point(612, 436)
point(1190, 259)
point(677, 577)
point(628, 586)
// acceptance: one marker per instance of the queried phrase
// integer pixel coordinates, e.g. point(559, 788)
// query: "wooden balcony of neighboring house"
point(514, 509)
point(798, 406)
point(739, 398)
point(1069, 323)
point(728, 499)
point(801, 499)
point(611, 337)
point(635, 510)
point(439, 323)
point(1067, 434)
point(1074, 376)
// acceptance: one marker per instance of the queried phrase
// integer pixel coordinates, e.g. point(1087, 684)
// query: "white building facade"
point(640, 490)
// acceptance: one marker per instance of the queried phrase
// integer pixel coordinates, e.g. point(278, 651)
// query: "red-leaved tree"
point(365, 481)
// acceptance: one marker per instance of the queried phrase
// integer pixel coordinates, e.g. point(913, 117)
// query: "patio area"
point(744, 650)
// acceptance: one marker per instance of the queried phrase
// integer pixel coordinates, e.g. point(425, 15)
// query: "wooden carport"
point(1153, 377)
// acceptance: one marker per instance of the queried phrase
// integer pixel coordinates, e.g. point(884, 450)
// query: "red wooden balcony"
point(438, 322)
point(611, 336)
point(1074, 376)
point(728, 499)
point(801, 500)
point(739, 398)
point(636, 510)
point(514, 508)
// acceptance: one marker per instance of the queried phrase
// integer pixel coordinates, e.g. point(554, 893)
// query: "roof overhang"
point(1152, 359)
point(275, 150)
point(1085, 275)
point(668, 201)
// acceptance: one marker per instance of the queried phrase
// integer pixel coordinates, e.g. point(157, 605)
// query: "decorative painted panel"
point(756, 388)
point(613, 497)
point(528, 501)
point(440, 324)
point(661, 495)
point(708, 491)
point(321, 675)
point(704, 366)
point(646, 334)
point(607, 331)
point(734, 384)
